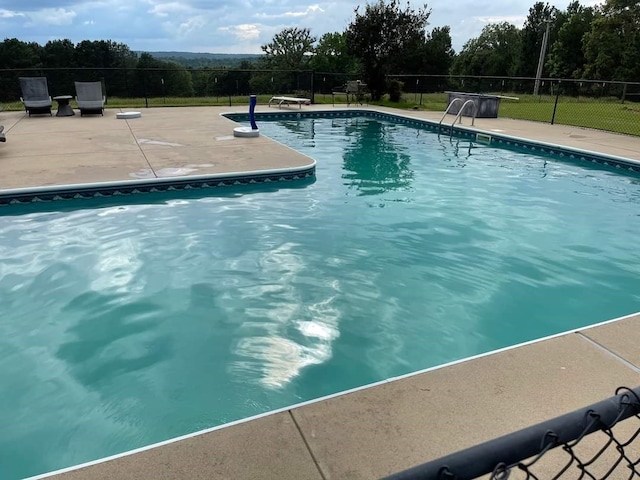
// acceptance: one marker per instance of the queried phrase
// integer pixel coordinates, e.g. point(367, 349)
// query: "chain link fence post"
point(555, 105)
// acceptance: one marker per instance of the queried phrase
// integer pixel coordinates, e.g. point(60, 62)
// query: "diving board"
point(289, 100)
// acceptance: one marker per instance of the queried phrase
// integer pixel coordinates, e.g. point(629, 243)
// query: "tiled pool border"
point(459, 131)
point(21, 196)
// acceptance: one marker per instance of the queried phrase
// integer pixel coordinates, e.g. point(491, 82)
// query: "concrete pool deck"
point(43, 150)
point(363, 434)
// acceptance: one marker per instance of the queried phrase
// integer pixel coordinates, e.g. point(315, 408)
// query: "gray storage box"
point(487, 105)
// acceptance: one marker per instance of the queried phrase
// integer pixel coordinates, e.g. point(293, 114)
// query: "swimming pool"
point(124, 325)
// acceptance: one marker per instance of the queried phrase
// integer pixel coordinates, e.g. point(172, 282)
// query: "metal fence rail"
point(220, 84)
point(603, 105)
point(597, 441)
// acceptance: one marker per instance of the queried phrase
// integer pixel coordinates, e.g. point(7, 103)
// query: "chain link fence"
point(599, 441)
point(610, 106)
point(134, 87)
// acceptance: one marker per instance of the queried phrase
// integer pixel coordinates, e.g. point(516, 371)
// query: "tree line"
point(585, 42)
point(596, 42)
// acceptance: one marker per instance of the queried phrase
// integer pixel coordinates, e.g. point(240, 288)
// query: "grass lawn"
point(602, 114)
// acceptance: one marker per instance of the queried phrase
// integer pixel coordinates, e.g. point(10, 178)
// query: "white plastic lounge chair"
point(289, 100)
point(90, 98)
point(35, 95)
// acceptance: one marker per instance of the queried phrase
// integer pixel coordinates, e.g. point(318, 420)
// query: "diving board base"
point(246, 132)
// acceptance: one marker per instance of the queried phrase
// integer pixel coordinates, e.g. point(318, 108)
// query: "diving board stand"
point(289, 101)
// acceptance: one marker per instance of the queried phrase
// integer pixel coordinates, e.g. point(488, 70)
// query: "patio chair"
point(357, 91)
point(2, 137)
point(35, 95)
point(90, 98)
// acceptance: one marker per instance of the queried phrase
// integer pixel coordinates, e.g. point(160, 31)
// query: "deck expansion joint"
point(306, 443)
point(611, 353)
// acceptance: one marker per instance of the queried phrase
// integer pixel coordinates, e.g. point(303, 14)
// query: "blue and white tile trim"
point(459, 131)
point(21, 196)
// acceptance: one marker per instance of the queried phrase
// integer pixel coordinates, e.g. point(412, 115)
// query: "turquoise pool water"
point(125, 325)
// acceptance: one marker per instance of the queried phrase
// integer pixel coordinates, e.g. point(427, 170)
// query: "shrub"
point(395, 90)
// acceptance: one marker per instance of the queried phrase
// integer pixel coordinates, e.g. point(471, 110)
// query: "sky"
point(224, 26)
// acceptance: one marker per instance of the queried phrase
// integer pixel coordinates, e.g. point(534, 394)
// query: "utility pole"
point(543, 51)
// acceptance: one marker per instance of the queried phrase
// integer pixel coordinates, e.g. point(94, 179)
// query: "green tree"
point(567, 59)
point(238, 80)
point(332, 62)
point(432, 54)
point(177, 80)
point(57, 54)
point(148, 77)
point(272, 81)
point(439, 53)
point(202, 82)
point(156, 78)
point(15, 54)
point(385, 38)
point(216, 82)
point(332, 56)
point(95, 54)
point(532, 34)
point(118, 81)
point(494, 52)
point(612, 46)
point(108, 61)
point(290, 49)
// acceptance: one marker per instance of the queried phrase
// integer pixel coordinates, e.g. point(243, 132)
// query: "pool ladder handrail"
point(459, 115)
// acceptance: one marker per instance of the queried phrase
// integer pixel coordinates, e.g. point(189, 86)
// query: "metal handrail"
point(453, 102)
point(459, 115)
point(475, 111)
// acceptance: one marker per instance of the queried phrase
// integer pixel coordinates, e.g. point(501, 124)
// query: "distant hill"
point(204, 60)
point(210, 56)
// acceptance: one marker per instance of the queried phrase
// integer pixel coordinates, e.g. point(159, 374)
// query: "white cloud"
point(167, 9)
point(517, 20)
point(10, 14)
point(309, 10)
point(220, 26)
point(190, 25)
point(51, 16)
point(244, 31)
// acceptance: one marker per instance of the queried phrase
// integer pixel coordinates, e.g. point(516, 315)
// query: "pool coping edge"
point(27, 195)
